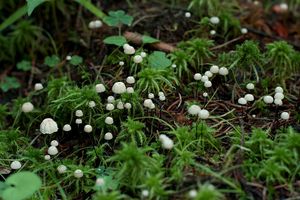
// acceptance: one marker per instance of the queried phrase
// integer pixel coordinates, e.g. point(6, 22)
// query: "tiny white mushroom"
point(214, 20)
point(223, 71)
point(203, 114)
point(249, 97)
point(15, 165)
point(268, 99)
point(143, 54)
point(78, 121)
point(110, 107)
point(67, 128)
point(285, 115)
point(250, 86)
point(78, 113)
point(137, 59)
point(109, 120)
point(61, 169)
point(162, 98)
point(214, 69)
point(78, 173)
point(92, 104)
point(100, 182)
point(119, 88)
point(110, 99)
point(120, 105)
point(130, 90)
point(208, 74)
point(130, 80)
point(127, 105)
point(204, 78)
point(52, 150)
point(48, 126)
point(242, 101)
point(197, 76)
point(212, 32)
point(194, 109)
point(145, 193)
point(27, 107)
point(150, 95)
point(167, 143)
point(47, 157)
point(88, 128)
point(279, 96)
point(38, 86)
point(278, 102)
point(244, 30)
point(108, 136)
point(187, 14)
point(207, 84)
point(279, 89)
point(192, 193)
point(100, 88)
point(121, 63)
point(54, 143)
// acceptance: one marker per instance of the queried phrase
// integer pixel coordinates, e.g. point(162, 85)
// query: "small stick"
point(137, 38)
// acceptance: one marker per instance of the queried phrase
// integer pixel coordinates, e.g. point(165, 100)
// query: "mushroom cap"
point(119, 88)
point(48, 126)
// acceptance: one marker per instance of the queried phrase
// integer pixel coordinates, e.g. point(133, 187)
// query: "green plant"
point(155, 80)
point(132, 164)
point(209, 192)
point(133, 130)
point(19, 186)
point(248, 59)
point(9, 83)
point(181, 59)
point(198, 50)
point(280, 59)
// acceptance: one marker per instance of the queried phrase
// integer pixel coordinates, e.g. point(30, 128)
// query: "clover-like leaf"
point(159, 60)
point(32, 4)
point(9, 83)
point(147, 39)
point(76, 60)
point(24, 65)
point(21, 185)
point(115, 40)
point(117, 18)
point(52, 61)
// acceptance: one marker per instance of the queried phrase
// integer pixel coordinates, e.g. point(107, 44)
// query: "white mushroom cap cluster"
point(166, 142)
point(95, 24)
point(161, 96)
point(196, 110)
point(277, 99)
point(128, 49)
point(148, 103)
point(214, 69)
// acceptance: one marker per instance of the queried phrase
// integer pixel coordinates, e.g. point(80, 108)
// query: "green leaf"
point(93, 9)
point(115, 40)
point(52, 61)
point(9, 83)
point(117, 18)
point(24, 65)
point(32, 4)
point(18, 14)
point(147, 39)
point(22, 185)
point(76, 60)
point(159, 60)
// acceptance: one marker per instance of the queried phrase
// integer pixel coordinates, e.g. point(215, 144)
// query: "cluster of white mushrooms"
point(214, 69)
